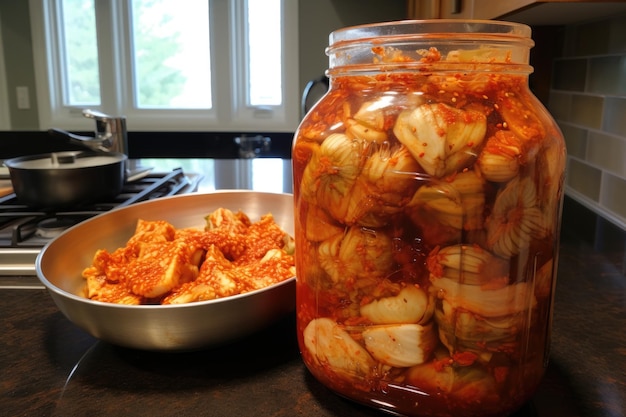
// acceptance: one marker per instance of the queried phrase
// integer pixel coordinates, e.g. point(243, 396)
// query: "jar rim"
point(470, 30)
point(441, 45)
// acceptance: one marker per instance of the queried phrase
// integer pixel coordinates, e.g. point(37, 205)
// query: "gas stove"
point(24, 230)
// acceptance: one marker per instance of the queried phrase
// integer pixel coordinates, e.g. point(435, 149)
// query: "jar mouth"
point(444, 29)
point(445, 44)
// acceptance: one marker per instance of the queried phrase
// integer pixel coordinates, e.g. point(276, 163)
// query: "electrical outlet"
point(23, 101)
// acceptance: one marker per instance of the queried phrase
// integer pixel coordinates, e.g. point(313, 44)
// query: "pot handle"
point(110, 133)
point(313, 91)
point(88, 142)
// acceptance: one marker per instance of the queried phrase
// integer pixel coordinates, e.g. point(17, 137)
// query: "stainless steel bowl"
point(172, 327)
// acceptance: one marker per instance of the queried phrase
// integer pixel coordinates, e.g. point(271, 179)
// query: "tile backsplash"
point(588, 100)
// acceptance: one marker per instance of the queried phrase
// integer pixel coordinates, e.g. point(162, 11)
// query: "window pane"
point(79, 51)
point(171, 54)
point(265, 52)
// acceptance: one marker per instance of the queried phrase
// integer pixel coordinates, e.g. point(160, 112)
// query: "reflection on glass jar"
point(428, 185)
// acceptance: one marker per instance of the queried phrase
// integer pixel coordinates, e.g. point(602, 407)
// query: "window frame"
point(5, 116)
point(113, 28)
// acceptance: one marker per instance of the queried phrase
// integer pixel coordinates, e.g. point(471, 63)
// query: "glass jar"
point(428, 186)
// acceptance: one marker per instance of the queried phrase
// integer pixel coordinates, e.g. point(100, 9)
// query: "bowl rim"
point(101, 304)
point(53, 288)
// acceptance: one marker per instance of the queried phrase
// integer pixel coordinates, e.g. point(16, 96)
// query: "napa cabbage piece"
point(163, 265)
point(510, 299)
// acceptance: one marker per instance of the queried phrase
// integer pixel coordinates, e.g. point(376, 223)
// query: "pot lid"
point(65, 160)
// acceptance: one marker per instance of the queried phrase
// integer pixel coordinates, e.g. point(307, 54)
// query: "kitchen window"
point(218, 65)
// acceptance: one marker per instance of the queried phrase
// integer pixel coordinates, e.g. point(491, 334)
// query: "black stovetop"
point(25, 230)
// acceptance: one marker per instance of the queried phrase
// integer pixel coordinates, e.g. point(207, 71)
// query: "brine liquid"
point(427, 215)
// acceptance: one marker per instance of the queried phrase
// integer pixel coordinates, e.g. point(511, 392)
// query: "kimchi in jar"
point(428, 186)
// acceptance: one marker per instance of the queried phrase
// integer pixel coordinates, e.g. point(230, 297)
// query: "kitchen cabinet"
point(423, 9)
point(462, 9)
point(457, 9)
point(532, 12)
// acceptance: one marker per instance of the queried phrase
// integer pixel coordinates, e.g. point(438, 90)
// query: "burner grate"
point(22, 226)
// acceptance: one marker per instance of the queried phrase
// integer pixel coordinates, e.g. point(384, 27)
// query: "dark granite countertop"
point(49, 367)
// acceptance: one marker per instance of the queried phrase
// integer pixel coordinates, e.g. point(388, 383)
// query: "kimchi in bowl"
point(174, 327)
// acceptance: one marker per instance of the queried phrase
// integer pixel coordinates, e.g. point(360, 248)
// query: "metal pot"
point(64, 179)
